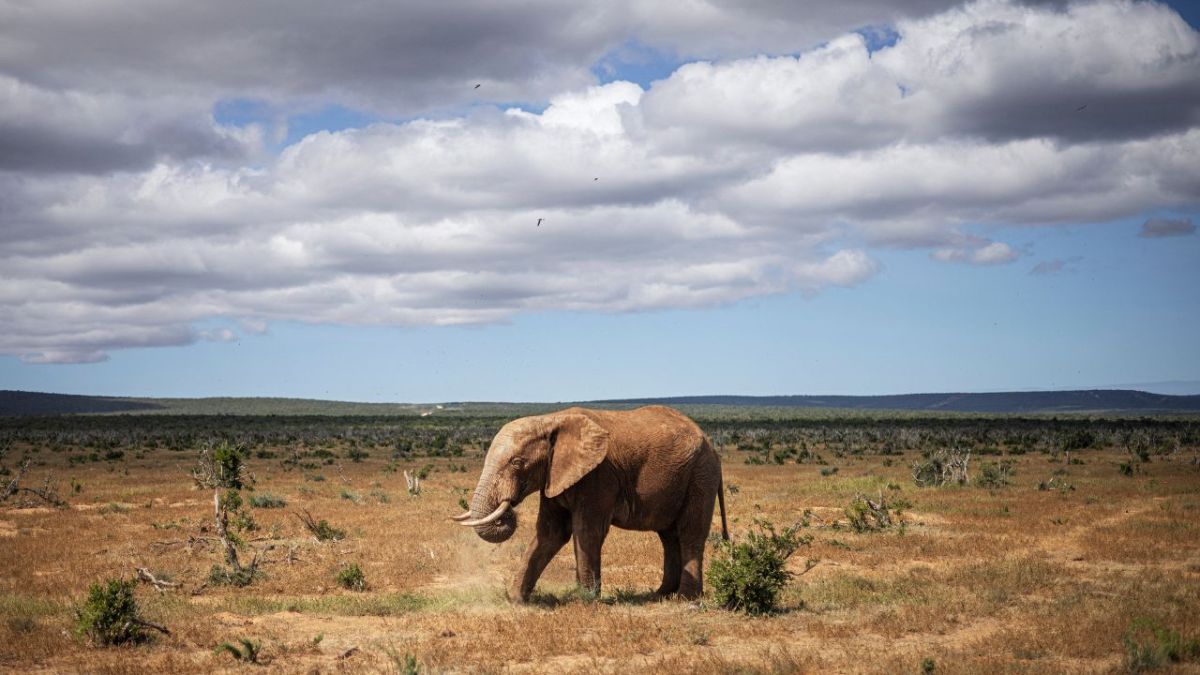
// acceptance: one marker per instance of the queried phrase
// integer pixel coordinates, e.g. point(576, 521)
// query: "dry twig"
point(159, 585)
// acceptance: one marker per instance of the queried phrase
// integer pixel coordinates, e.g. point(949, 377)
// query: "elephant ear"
point(578, 445)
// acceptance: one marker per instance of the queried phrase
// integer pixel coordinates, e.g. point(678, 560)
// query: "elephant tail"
point(721, 502)
point(720, 489)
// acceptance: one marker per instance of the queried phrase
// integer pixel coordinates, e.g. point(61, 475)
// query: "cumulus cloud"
point(846, 268)
point(989, 70)
point(1167, 227)
point(731, 178)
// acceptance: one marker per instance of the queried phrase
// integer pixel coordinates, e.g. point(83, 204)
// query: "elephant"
point(648, 469)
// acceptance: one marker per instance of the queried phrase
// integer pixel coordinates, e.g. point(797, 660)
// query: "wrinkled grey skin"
point(501, 480)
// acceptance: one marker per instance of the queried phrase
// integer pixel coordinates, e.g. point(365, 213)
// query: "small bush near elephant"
point(747, 577)
point(109, 615)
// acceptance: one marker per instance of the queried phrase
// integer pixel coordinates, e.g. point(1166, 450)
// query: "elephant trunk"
point(485, 504)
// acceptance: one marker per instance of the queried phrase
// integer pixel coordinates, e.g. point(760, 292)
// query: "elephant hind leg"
point(695, 523)
point(672, 563)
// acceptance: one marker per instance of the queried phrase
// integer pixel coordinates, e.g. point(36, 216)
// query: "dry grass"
point(1015, 580)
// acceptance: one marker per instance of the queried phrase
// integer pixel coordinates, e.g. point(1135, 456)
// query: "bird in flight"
point(596, 178)
point(478, 85)
point(539, 222)
point(1080, 108)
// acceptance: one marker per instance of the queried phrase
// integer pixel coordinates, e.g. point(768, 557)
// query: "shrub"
point(865, 515)
point(1149, 645)
point(993, 475)
point(321, 529)
point(267, 501)
point(942, 467)
point(351, 577)
point(109, 615)
point(357, 455)
point(747, 577)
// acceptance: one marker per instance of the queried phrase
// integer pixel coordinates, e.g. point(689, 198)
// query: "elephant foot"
point(517, 597)
point(664, 593)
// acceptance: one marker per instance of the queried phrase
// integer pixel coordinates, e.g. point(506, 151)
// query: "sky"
point(560, 200)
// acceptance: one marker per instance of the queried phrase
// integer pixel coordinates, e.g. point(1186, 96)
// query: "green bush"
point(747, 577)
point(1149, 645)
point(866, 515)
point(351, 577)
point(993, 475)
point(109, 615)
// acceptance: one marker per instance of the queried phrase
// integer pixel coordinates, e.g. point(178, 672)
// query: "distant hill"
point(17, 403)
point(1090, 400)
point(14, 403)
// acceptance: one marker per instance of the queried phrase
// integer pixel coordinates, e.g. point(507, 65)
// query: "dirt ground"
point(1014, 579)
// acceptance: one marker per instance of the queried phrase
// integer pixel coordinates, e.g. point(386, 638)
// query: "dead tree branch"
point(159, 585)
point(47, 492)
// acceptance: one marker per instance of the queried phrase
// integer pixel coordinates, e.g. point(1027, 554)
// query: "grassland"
point(1041, 575)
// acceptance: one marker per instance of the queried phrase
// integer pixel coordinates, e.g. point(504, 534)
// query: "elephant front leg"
point(589, 540)
point(553, 531)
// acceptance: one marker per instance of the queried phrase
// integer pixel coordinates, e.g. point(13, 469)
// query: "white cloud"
point(847, 267)
point(218, 335)
point(725, 181)
point(992, 253)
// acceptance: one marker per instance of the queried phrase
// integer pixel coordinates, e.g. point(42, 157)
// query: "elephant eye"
point(518, 462)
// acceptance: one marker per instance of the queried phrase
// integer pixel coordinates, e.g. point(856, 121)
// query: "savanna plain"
point(1068, 544)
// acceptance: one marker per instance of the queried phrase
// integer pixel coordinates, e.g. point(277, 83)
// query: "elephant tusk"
point(490, 518)
point(463, 516)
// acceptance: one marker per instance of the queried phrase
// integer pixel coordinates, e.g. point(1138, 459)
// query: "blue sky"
point(714, 253)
